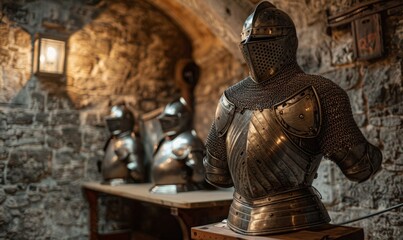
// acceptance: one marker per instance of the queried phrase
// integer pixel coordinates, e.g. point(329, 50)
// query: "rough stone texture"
point(52, 131)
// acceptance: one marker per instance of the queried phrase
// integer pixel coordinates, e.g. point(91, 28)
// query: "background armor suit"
point(177, 165)
point(122, 162)
point(272, 129)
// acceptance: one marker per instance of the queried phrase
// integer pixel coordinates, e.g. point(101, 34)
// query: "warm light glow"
point(280, 139)
point(51, 56)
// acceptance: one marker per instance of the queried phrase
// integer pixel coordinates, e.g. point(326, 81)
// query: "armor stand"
point(220, 231)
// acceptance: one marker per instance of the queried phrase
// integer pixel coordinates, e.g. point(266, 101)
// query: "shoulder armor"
point(185, 143)
point(224, 115)
point(300, 114)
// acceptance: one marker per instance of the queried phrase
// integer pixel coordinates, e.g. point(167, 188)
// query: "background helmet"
point(268, 41)
point(120, 120)
point(175, 118)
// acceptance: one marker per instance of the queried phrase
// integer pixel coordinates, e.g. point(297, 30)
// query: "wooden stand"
point(220, 231)
point(191, 209)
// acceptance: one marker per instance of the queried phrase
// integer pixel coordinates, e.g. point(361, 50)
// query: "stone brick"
point(92, 119)
point(323, 182)
point(54, 138)
point(42, 118)
point(4, 216)
point(91, 171)
point(346, 77)
point(360, 119)
point(4, 38)
point(34, 196)
point(66, 118)
point(33, 223)
point(94, 139)
point(37, 101)
point(68, 165)
point(27, 137)
point(4, 56)
point(375, 79)
point(28, 165)
point(20, 118)
point(10, 189)
point(3, 195)
point(22, 38)
point(16, 202)
point(342, 51)
point(72, 137)
point(64, 137)
point(58, 99)
point(356, 101)
point(3, 153)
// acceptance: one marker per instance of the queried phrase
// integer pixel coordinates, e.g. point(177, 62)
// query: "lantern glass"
point(49, 56)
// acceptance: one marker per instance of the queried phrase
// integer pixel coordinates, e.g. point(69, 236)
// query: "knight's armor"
point(178, 160)
point(122, 162)
point(272, 129)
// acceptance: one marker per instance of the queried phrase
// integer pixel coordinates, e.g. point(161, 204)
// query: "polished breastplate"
point(273, 158)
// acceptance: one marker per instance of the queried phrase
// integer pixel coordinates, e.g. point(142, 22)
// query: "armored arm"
point(190, 150)
point(342, 140)
point(360, 162)
point(215, 161)
point(135, 166)
point(126, 151)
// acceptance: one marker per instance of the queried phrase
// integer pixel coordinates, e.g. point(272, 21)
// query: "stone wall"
point(52, 131)
point(376, 94)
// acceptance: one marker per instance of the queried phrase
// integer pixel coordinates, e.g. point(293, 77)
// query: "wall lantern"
point(49, 56)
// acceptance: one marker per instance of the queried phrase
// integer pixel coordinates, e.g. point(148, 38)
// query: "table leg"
point(92, 198)
point(189, 218)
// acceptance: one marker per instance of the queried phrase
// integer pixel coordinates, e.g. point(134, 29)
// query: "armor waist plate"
point(290, 210)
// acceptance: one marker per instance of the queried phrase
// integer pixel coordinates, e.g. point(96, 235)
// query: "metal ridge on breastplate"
point(277, 197)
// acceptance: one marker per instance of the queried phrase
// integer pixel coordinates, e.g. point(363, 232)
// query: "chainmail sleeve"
point(215, 161)
point(339, 129)
point(342, 141)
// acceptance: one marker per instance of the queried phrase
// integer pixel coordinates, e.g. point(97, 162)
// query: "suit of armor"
point(177, 164)
point(272, 129)
point(122, 162)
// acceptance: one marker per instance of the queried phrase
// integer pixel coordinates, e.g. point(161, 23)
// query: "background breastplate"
point(171, 170)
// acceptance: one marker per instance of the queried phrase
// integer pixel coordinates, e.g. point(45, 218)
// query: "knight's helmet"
point(175, 118)
point(269, 41)
point(120, 120)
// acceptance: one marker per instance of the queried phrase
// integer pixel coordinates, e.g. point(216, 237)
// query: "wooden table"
point(191, 209)
point(220, 231)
